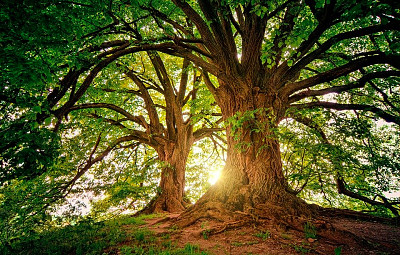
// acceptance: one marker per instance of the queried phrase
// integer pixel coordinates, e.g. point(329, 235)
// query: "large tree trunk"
point(173, 157)
point(252, 181)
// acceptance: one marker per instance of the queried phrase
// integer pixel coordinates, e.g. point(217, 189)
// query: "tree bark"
point(173, 157)
point(252, 181)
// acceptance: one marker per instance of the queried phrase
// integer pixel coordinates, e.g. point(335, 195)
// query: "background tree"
point(51, 56)
point(153, 107)
point(94, 48)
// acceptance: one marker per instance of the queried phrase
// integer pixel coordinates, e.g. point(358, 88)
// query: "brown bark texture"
point(173, 156)
point(252, 182)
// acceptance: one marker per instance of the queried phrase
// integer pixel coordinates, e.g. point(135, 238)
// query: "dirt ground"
point(335, 235)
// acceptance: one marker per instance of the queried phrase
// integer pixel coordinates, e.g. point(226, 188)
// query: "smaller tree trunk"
point(172, 183)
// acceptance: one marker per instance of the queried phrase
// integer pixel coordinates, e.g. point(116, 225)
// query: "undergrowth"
point(91, 237)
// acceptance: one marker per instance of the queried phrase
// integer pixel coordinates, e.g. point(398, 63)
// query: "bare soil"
point(334, 235)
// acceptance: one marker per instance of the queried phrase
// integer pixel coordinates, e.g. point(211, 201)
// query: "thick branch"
point(68, 82)
point(205, 132)
point(104, 63)
point(137, 119)
point(341, 107)
point(338, 89)
point(164, 17)
point(172, 112)
point(210, 86)
point(339, 71)
point(111, 121)
point(343, 190)
point(148, 101)
point(183, 81)
point(333, 40)
point(199, 23)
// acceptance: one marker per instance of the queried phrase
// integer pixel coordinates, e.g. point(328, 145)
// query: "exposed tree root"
point(209, 210)
point(162, 204)
point(229, 225)
point(217, 211)
point(284, 218)
point(283, 210)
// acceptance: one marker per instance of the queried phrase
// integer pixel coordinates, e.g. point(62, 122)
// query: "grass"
point(205, 233)
point(143, 235)
point(174, 228)
point(204, 224)
point(300, 248)
point(189, 249)
point(89, 237)
point(237, 244)
point(338, 250)
point(263, 234)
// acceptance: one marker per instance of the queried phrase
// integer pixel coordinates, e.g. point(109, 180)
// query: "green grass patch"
point(144, 235)
point(206, 233)
point(263, 234)
point(237, 244)
point(85, 237)
point(189, 249)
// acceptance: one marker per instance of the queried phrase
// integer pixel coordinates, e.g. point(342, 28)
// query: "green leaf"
point(47, 121)
point(37, 109)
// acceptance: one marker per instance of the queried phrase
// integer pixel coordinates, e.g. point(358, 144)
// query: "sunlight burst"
point(214, 176)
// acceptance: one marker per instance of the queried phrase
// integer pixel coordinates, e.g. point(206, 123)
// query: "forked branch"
point(341, 107)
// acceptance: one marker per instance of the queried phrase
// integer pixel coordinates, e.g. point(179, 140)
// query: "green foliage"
point(300, 248)
point(353, 150)
point(338, 250)
point(25, 206)
point(27, 150)
point(91, 237)
point(263, 234)
point(237, 244)
point(310, 231)
point(143, 236)
point(205, 233)
point(86, 236)
point(258, 121)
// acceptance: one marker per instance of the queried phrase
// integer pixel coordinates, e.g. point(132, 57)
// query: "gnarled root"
point(291, 211)
point(162, 203)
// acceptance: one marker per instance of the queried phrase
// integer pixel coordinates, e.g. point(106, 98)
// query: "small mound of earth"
point(337, 235)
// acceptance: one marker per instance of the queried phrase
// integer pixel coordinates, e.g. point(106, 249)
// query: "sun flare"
point(214, 176)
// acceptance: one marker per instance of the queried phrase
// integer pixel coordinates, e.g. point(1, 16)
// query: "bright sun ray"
point(214, 175)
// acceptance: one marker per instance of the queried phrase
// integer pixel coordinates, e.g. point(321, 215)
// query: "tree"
point(264, 62)
point(72, 65)
point(275, 60)
point(167, 119)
